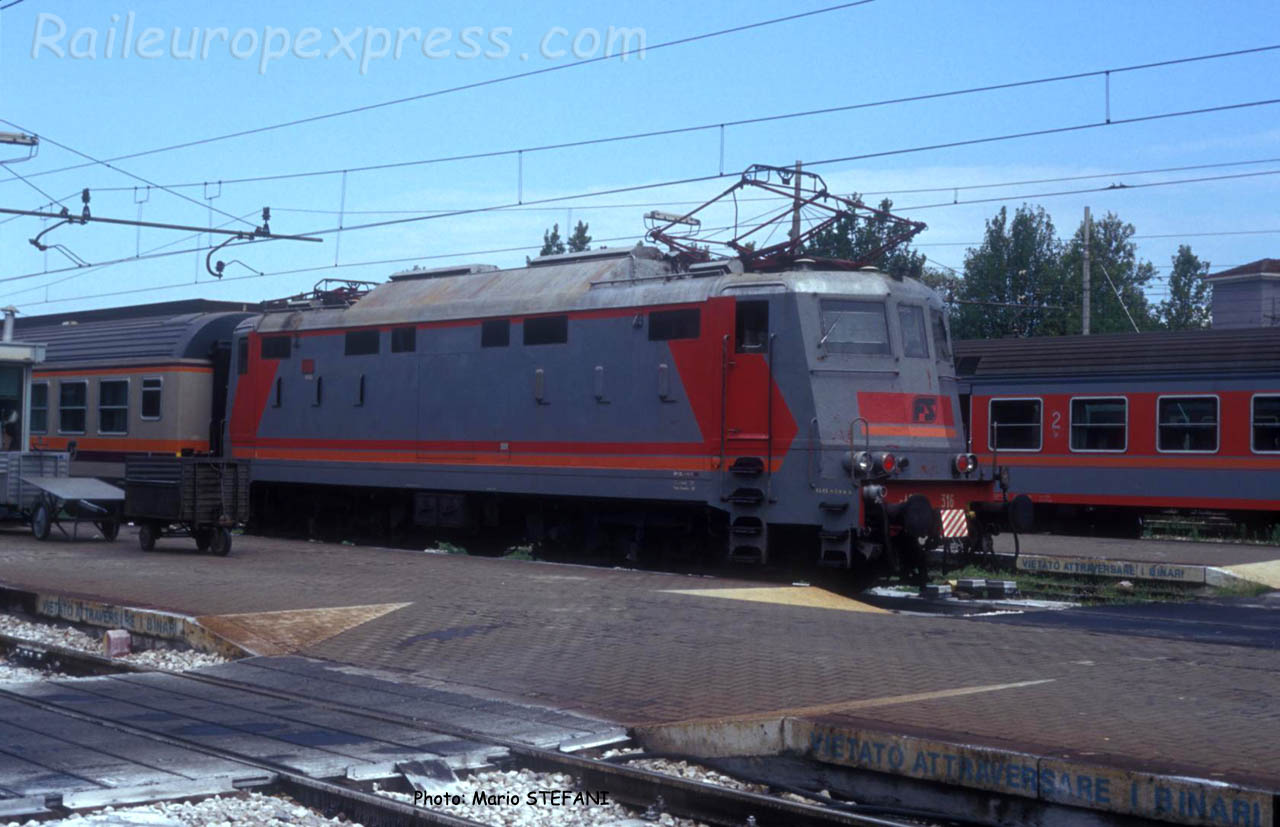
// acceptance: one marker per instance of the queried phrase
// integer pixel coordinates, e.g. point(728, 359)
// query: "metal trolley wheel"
point(220, 542)
point(147, 534)
point(41, 521)
point(110, 530)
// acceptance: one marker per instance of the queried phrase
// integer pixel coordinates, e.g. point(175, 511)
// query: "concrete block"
point(1002, 588)
point(116, 642)
point(936, 590)
point(971, 585)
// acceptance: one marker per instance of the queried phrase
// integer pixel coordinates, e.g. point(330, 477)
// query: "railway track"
point(640, 789)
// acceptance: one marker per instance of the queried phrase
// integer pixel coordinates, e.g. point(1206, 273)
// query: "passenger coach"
point(1115, 427)
point(140, 380)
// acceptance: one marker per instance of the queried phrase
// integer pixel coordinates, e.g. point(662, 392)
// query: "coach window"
point(546, 330)
point(362, 342)
point(152, 390)
point(854, 327)
point(941, 342)
point(113, 406)
point(915, 339)
point(665, 325)
point(1015, 424)
point(72, 401)
point(1266, 423)
point(40, 407)
point(1099, 424)
point(404, 339)
point(1188, 423)
point(276, 347)
point(495, 333)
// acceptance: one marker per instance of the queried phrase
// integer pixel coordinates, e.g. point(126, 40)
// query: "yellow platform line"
point(287, 631)
point(1266, 572)
point(808, 596)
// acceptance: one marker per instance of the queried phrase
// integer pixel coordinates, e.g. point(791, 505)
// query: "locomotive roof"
point(1248, 350)
point(599, 279)
point(138, 339)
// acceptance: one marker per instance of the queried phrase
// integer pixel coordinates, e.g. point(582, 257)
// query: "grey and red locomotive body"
point(618, 393)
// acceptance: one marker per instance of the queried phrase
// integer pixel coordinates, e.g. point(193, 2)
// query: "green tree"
point(551, 243)
point(1014, 281)
point(857, 238)
point(1114, 269)
point(1187, 307)
point(579, 241)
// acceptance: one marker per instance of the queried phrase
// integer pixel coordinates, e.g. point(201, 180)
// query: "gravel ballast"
point(173, 660)
point(503, 799)
point(219, 811)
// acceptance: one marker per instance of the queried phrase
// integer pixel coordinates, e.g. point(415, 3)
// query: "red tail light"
point(964, 463)
point(888, 462)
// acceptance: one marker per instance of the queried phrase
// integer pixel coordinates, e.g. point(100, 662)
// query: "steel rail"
point(327, 796)
point(636, 787)
point(639, 787)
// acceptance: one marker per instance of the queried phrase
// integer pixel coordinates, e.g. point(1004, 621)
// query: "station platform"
point(828, 675)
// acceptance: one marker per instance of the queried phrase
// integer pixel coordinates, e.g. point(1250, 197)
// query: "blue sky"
point(110, 105)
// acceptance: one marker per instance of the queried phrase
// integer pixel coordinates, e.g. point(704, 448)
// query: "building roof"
point(1195, 351)
point(1263, 266)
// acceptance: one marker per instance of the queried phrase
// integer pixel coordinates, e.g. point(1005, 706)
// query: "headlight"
point(862, 463)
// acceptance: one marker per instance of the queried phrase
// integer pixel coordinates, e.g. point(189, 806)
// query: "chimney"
point(9, 313)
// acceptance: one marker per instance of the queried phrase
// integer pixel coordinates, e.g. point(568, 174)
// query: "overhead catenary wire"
point(622, 55)
point(145, 257)
point(9, 169)
point(655, 204)
point(498, 153)
point(109, 165)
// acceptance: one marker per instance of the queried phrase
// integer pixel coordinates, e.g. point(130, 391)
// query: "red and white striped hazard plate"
point(954, 523)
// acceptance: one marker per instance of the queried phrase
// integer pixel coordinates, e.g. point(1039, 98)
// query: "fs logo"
point(924, 409)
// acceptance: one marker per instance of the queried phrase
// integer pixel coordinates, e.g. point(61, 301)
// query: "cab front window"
point(854, 327)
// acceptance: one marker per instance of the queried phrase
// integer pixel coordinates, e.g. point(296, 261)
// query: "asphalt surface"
point(1249, 622)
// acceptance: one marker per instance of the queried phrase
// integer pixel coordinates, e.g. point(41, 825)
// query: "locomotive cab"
point(886, 430)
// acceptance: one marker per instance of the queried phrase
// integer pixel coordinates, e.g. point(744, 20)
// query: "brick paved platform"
point(646, 648)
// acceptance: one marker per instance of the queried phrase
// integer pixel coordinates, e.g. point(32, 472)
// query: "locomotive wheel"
point(147, 536)
point(110, 530)
point(41, 521)
point(220, 542)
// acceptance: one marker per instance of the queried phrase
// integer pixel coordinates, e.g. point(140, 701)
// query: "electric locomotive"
point(626, 394)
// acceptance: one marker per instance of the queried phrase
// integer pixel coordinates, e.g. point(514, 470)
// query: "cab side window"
point(915, 339)
point(751, 327)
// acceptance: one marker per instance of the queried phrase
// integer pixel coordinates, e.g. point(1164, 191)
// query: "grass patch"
point(450, 548)
point(519, 553)
point(1209, 531)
